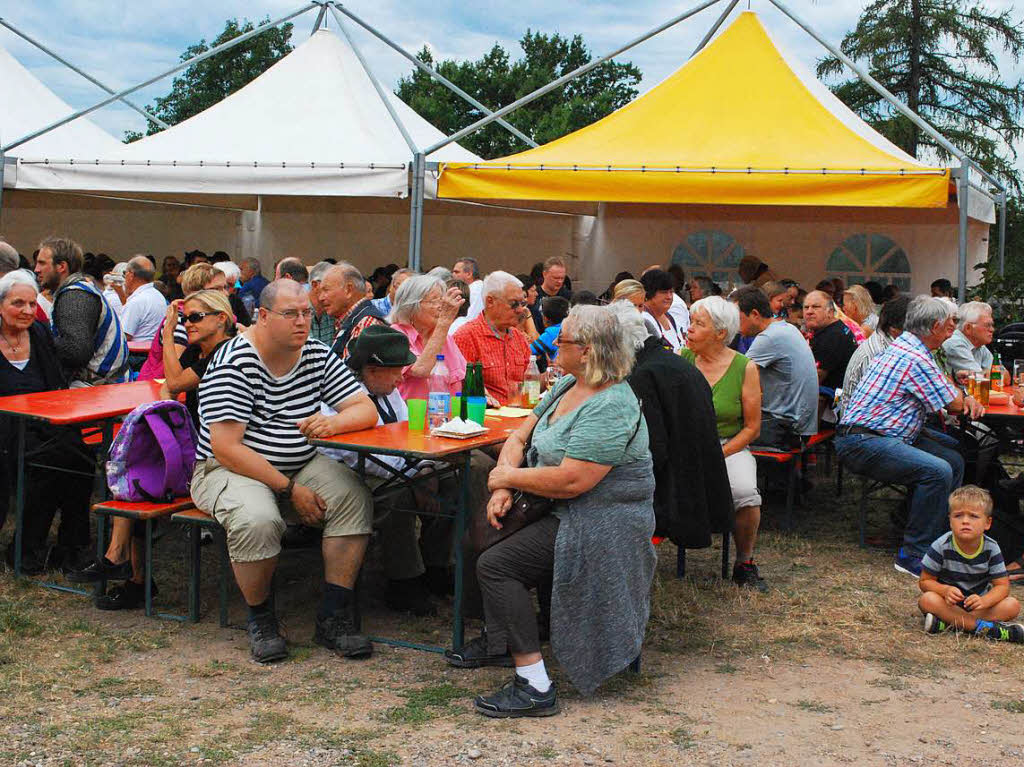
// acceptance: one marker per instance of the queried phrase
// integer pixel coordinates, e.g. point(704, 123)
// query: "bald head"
point(278, 290)
point(142, 268)
point(819, 310)
point(8, 258)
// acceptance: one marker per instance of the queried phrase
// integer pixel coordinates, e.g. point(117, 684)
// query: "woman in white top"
point(658, 293)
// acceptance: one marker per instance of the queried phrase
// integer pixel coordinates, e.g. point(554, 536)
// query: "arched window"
point(873, 256)
point(710, 254)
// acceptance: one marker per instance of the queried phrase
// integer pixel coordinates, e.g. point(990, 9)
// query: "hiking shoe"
point(1006, 632)
point(517, 698)
point(745, 574)
point(340, 633)
point(410, 595)
point(124, 596)
point(908, 563)
point(473, 654)
point(265, 641)
point(932, 624)
point(99, 569)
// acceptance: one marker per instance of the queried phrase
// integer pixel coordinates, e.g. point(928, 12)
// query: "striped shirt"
point(971, 573)
point(900, 387)
point(238, 387)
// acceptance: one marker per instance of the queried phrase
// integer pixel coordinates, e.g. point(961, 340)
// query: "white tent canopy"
point(312, 124)
point(28, 105)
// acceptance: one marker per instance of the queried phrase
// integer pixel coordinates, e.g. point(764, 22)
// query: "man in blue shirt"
point(253, 283)
point(882, 434)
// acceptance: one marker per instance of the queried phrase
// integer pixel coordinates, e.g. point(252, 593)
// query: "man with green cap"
point(377, 358)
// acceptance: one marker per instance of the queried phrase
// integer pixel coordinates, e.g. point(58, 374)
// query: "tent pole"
point(3, 164)
point(141, 110)
point(416, 211)
point(376, 84)
point(183, 65)
point(567, 77)
point(1002, 233)
point(964, 187)
point(319, 19)
point(714, 28)
point(436, 75)
point(902, 108)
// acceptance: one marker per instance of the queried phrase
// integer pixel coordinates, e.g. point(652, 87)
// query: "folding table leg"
point(791, 493)
point(149, 568)
point(461, 513)
point(19, 499)
point(101, 548)
point(680, 562)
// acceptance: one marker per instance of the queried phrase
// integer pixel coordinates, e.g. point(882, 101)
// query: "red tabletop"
point(139, 347)
point(1009, 410)
point(396, 439)
point(90, 403)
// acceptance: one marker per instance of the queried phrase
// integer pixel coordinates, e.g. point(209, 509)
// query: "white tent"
point(313, 124)
point(28, 105)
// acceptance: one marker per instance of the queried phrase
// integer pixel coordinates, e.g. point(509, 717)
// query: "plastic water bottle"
point(531, 386)
point(439, 400)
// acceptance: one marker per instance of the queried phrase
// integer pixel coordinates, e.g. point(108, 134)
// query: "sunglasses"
point(196, 317)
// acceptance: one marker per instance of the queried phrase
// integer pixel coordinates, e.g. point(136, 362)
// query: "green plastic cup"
point(456, 405)
point(417, 414)
point(475, 409)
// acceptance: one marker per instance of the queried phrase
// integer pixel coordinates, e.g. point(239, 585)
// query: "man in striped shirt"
point(882, 435)
point(259, 402)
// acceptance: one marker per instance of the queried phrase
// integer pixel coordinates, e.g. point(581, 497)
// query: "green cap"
point(380, 345)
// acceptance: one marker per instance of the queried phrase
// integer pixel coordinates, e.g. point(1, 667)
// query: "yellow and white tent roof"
point(740, 123)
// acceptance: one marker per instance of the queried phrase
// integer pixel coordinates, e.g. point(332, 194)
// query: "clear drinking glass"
point(1018, 373)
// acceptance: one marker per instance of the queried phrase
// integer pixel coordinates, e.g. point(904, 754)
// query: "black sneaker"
point(124, 596)
point(265, 641)
point(99, 569)
point(517, 698)
point(410, 595)
point(473, 654)
point(341, 633)
point(1006, 632)
point(745, 574)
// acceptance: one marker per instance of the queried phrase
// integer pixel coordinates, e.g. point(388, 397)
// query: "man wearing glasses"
point(493, 338)
point(259, 402)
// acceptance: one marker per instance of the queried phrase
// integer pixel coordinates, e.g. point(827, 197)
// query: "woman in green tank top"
point(736, 394)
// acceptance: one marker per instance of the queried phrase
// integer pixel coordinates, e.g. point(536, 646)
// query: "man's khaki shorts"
point(249, 513)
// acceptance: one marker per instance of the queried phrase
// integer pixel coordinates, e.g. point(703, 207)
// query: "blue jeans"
point(931, 468)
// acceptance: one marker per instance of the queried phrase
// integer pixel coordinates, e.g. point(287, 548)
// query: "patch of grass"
point(890, 681)
point(545, 752)
point(815, 706)
point(682, 737)
point(367, 757)
point(1013, 706)
point(17, 619)
point(726, 668)
point(425, 704)
point(267, 725)
point(119, 687)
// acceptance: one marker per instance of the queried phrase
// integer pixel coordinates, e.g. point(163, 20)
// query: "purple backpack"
point(151, 458)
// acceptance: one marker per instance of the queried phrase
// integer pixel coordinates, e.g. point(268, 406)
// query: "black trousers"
point(506, 573)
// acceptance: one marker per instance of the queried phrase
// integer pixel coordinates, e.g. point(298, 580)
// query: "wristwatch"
point(286, 493)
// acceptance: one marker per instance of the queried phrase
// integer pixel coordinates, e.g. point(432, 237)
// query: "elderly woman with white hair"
point(736, 392)
point(29, 364)
point(585, 447)
point(424, 311)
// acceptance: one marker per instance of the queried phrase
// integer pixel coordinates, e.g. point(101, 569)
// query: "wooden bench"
point(144, 512)
point(790, 459)
point(681, 556)
point(197, 521)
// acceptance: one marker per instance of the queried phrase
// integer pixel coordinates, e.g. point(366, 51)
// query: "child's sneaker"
point(932, 624)
point(1006, 632)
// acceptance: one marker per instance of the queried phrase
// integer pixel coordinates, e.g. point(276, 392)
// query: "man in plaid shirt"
point(882, 433)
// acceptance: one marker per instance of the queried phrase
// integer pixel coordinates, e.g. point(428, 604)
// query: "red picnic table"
point(95, 406)
point(1005, 414)
point(139, 347)
point(396, 439)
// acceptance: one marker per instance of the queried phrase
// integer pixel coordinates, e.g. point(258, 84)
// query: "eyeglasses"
point(196, 317)
point(515, 304)
point(565, 341)
point(293, 314)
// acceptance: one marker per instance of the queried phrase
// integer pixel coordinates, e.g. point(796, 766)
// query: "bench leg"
point(101, 549)
point(680, 563)
point(149, 568)
point(725, 556)
point(194, 562)
point(863, 512)
point(791, 493)
point(222, 580)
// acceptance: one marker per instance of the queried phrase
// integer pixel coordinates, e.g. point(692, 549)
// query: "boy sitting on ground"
point(963, 576)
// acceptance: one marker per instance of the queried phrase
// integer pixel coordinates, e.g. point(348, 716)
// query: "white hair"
point(724, 315)
point(971, 312)
point(17, 277)
point(496, 282)
point(231, 270)
point(631, 322)
point(317, 271)
point(924, 311)
point(410, 294)
point(611, 355)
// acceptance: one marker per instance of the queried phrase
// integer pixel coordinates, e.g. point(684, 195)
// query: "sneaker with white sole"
point(908, 563)
point(933, 625)
point(1006, 632)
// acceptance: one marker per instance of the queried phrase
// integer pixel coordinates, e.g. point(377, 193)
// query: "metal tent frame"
point(419, 165)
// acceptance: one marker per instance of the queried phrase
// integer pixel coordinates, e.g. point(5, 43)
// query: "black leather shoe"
point(125, 596)
point(516, 699)
point(265, 641)
point(99, 569)
point(409, 595)
point(341, 633)
point(473, 654)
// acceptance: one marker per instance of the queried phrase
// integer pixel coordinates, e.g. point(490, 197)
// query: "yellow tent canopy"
point(738, 124)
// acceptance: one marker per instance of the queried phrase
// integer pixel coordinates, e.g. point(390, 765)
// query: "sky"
point(122, 43)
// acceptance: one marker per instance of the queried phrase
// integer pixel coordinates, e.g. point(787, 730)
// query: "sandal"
point(1016, 574)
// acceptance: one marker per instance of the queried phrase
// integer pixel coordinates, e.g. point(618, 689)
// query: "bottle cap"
point(440, 358)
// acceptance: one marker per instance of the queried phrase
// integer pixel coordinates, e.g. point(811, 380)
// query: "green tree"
point(940, 58)
point(204, 84)
point(496, 80)
point(1006, 291)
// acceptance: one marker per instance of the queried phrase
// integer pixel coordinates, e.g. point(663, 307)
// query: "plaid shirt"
point(505, 355)
point(323, 328)
point(900, 387)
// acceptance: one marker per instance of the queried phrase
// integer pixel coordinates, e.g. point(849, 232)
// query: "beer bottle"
point(996, 373)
